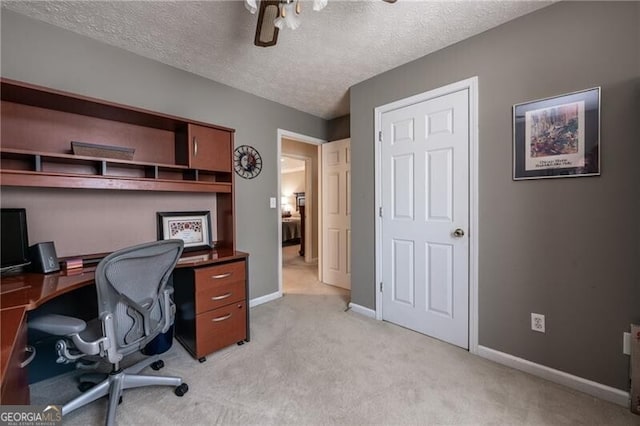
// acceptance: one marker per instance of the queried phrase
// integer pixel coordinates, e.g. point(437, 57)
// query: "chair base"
point(119, 381)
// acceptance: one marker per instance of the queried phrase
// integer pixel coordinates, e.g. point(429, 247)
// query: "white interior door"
point(336, 213)
point(425, 217)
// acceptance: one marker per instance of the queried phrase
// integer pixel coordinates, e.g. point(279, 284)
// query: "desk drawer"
point(214, 295)
point(219, 274)
point(220, 328)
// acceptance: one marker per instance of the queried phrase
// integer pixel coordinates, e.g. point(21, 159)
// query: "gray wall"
point(39, 53)
point(339, 128)
point(82, 221)
point(566, 248)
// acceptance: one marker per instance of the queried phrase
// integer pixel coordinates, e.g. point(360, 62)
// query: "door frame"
point(472, 85)
point(298, 137)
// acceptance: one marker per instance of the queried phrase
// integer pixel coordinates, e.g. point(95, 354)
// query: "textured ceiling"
point(310, 69)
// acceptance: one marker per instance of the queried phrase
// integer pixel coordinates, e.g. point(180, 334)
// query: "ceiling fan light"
point(319, 4)
point(279, 23)
point(291, 19)
point(292, 22)
point(275, 15)
point(251, 5)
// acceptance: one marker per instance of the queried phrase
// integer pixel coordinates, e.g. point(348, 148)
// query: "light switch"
point(626, 343)
point(272, 202)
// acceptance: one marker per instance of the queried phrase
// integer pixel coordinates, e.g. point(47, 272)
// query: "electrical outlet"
point(537, 322)
point(626, 343)
point(272, 202)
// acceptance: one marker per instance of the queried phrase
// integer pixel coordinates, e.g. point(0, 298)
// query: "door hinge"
point(380, 286)
point(380, 136)
point(380, 211)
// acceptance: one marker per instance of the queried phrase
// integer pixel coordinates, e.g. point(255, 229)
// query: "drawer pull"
point(30, 349)
point(225, 317)
point(224, 296)
point(221, 276)
point(195, 146)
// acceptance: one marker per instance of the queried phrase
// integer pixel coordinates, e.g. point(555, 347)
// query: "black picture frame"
point(193, 227)
point(557, 136)
point(300, 199)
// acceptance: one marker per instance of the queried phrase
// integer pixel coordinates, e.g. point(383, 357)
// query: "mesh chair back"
point(130, 284)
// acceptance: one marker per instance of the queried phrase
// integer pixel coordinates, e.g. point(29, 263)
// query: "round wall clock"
point(247, 161)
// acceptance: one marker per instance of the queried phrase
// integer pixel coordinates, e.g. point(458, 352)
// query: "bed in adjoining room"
point(291, 232)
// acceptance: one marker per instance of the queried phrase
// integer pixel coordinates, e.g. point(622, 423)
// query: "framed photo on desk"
point(194, 228)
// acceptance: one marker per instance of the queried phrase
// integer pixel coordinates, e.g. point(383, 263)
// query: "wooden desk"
point(15, 383)
point(21, 293)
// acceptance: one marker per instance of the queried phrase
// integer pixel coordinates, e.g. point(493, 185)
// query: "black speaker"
point(43, 258)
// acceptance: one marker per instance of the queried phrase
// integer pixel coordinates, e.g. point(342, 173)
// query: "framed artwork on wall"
point(557, 136)
point(194, 228)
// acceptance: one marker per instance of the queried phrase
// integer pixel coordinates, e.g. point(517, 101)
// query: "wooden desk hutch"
point(172, 154)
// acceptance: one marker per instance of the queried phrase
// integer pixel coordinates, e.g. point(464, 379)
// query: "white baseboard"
point(592, 388)
point(264, 299)
point(362, 310)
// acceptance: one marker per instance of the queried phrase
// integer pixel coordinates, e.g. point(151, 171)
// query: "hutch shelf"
point(171, 153)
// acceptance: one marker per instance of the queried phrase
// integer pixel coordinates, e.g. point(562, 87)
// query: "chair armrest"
point(58, 325)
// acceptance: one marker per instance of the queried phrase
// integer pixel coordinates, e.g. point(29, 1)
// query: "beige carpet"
point(310, 362)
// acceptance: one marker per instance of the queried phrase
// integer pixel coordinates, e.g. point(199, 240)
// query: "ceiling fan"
point(274, 15)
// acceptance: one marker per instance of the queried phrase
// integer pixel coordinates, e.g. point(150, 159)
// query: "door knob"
point(458, 233)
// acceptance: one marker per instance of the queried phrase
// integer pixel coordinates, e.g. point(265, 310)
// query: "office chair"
point(134, 307)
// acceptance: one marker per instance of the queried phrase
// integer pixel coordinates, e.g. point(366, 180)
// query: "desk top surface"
point(30, 289)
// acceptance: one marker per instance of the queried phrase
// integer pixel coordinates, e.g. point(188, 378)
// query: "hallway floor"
point(299, 277)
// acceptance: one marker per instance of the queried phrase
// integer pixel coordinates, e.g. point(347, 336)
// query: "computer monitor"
point(14, 251)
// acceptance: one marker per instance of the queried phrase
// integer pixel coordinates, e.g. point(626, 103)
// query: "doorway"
point(298, 189)
point(426, 239)
point(299, 267)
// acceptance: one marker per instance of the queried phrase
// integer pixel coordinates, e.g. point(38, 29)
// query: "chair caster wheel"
point(182, 389)
point(203, 359)
point(120, 400)
point(241, 342)
point(85, 386)
point(157, 365)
